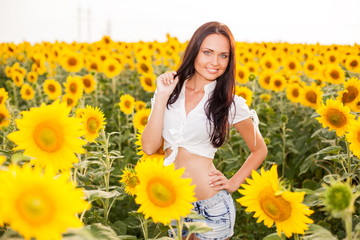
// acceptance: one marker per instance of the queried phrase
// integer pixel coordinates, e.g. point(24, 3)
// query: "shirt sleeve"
point(240, 110)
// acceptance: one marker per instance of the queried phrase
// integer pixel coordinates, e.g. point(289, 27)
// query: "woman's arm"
point(258, 154)
point(152, 136)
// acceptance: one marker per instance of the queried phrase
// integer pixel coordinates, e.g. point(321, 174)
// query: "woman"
point(192, 111)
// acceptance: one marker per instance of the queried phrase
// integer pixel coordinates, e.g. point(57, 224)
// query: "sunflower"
point(355, 105)
point(311, 96)
point(353, 137)
point(93, 64)
point(245, 93)
point(264, 79)
point(18, 78)
point(93, 121)
point(242, 74)
point(334, 74)
point(39, 205)
point(147, 82)
point(264, 195)
point(47, 134)
point(352, 63)
point(293, 92)
point(70, 100)
point(52, 88)
point(351, 92)
point(159, 155)
point(3, 96)
point(27, 92)
point(144, 67)
point(269, 62)
point(129, 180)
point(162, 193)
point(74, 86)
point(32, 77)
point(265, 97)
point(332, 57)
point(141, 117)
point(338, 198)
point(139, 105)
point(72, 62)
point(292, 65)
point(111, 67)
point(277, 82)
point(335, 116)
point(127, 104)
point(312, 68)
point(4, 116)
point(89, 83)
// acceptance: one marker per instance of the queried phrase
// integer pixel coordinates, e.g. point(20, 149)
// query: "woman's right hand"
point(166, 83)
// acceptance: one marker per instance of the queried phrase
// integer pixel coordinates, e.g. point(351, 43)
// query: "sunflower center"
point(241, 74)
point(268, 64)
point(160, 192)
point(92, 125)
point(144, 67)
point(148, 81)
point(334, 74)
point(354, 63)
point(27, 92)
point(311, 97)
point(311, 67)
point(2, 117)
point(278, 83)
point(292, 66)
point(133, 181)
point(35, 208)
point(267, 79)
point(350, 95)
point(276, 207)
point(295, 92)
point(86, 82)
point(69, 101)
point(1, 99)
point(336, 118)
point(144, 120)
point(73, 88)
point(94, 66)
point(72, 61)
point(51, 88)
point(127, 104)
point(332, 59)
point(339, 198)
point(243, 95)
point(48, 137)
point(111, 68)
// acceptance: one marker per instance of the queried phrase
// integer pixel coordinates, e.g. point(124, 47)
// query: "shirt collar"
point(208, 88)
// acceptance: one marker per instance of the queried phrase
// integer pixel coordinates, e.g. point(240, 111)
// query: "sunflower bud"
point(252, 77)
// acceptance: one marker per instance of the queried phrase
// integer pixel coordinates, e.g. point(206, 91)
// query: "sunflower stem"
point(283, 137)
point(296, 236)
point(179, 229)
point(348, 157)
point(107, 174)
point(15, 97)
point(348, 225)
point(144, 227)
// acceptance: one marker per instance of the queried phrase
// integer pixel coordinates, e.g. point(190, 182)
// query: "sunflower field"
point(71, 164)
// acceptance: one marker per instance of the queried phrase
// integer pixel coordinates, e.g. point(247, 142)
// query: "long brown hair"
point(218, 105)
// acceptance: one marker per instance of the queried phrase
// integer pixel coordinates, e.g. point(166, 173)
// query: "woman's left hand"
point(219, 182)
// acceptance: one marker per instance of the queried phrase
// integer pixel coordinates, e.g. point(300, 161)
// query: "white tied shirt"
point(192, 132)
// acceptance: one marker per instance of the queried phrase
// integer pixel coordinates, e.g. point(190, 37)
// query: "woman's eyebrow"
point(206, 48)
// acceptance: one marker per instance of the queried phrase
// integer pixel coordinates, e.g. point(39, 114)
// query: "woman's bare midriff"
point(197, 168)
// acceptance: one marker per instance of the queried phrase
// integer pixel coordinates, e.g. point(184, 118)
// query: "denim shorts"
point(219, 214)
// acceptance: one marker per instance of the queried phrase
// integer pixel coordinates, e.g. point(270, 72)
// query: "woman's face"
point(213, 57)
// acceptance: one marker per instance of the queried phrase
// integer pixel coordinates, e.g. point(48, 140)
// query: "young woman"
point(192, 111)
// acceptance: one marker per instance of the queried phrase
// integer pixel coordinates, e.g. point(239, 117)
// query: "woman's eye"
point(224, 55)
point(207, 52)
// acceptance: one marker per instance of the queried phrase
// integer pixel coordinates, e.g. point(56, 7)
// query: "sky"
point(293, 21)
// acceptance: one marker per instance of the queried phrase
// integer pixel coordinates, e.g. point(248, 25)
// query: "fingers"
point(218, 181)
point(168, 78)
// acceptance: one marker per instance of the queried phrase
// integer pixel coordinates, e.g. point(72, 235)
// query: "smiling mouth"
point(212, 70)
